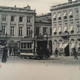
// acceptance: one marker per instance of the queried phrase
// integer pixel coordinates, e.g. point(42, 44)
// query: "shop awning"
point(72, 45)
point(78, 45)
point(54, 16)
point(60, 46)
point(65, 14)
point(70, 13)
point(65, 29)
point(59, 29)
point(59, 15)
point(54, 30)
point(64, 45)
point(71, 29)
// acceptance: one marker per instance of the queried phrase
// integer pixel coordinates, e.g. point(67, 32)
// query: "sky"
point(41, 6)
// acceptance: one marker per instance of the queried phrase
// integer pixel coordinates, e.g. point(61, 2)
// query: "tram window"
point(22, 45)
point(29, 45)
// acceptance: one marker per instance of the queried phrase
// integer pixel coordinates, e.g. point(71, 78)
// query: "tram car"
point(36, 49)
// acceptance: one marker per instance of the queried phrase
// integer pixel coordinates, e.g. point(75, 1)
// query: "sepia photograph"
point(39, 39)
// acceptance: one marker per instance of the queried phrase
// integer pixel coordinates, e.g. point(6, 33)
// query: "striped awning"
point(70, 13)
point(64, 45)
point(71, 29)
point(72, 45)
point(54, 30)
point(54, 16)
point(65, 14)
point(59, 15)
point(59, 29)
point(65, 29)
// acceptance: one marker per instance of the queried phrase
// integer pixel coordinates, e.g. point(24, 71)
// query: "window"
point(26, 45)
point(28, 31)
point(37, 31)
point(71, 14)
point(54, 19)
point(12, 31)
point(28, 19)
point(20, 31)
point(50, 31)
point(29, 45)
point(44, 30)
point(20, 19)
point(65, 17)
point(12, 18)
point(3, 18)
point(3, 29)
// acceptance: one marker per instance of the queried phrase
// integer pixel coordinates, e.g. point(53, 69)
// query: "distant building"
point(66, 27)
point(43, 25)
point(16, 23)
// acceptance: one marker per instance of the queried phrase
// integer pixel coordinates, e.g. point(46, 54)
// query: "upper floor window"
point(3, 29)
point(78, 26)
point(65, 15)
point(28, 19)
point(20, 19)
point(44, 30)
point(12, 18)
point(28, 31)
point(20, 31)
point(59, 17)
point(12, 31)
point(54, 17)
point(3, 18)
point(71, 14)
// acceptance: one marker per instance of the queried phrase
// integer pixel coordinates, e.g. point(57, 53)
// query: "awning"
point(1, 47)
point(54, 16)
point(54, 30)
point(71, 29)
point(70, 13)
point(60, 46)
point(78, 45)
point(65, 14)
point(65, 29)
point(64, 45)
point(59, 29)
point(59, 15)
point(72, 45)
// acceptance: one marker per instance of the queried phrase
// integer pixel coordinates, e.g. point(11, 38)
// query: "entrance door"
point(66, 50)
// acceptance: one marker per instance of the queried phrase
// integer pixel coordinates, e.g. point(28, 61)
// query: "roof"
point(46, 18)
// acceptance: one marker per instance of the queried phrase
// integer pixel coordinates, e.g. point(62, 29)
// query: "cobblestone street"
point(61, 68)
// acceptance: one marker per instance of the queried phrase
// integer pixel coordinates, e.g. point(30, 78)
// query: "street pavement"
point(55, 68)
point(52, 60)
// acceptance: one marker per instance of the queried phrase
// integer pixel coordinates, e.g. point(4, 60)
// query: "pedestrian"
point(4, 56)
point(75, 53)
point(56, 52)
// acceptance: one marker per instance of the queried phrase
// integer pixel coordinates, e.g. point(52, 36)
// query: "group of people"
point(73, 51)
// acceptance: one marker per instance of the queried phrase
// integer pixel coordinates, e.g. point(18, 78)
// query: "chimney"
point(69, 1)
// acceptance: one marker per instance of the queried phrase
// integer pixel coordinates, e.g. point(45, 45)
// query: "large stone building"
point(66, 27)
point(16, 23)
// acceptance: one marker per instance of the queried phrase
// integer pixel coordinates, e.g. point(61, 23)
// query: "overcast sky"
point(41, 6)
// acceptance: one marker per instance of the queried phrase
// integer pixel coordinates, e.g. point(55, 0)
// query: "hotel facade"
point(66, 27)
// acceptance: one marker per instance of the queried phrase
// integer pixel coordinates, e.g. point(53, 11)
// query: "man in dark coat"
point(75, 53)
point(56, 52)
point(4, 56)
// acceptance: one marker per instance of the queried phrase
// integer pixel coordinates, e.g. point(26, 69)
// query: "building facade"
point(66, 27)
point(16, 23)
point(43, 25)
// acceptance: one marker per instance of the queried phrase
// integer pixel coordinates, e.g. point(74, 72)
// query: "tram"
point(36, 49)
